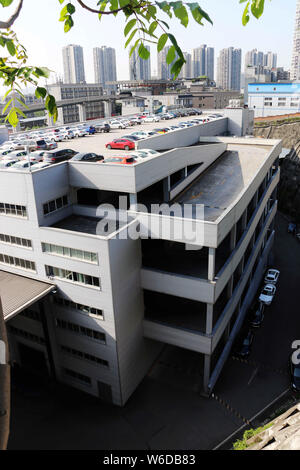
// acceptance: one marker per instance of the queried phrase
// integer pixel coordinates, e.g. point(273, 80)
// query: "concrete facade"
point(273, 99)
point(116, 288)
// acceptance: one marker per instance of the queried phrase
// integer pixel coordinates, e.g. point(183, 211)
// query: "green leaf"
point(164, 6)
point(181, 13)
point(123, 3)
point(198, 13)
point(134, 46)
point(171, 55)
point(245, 17)
point(130, 37)
point(68, 24)
point(6, 3)
point(153, 27)
point(176, 67)
point(143, 52)
point(70, 8)
point(11, 47)
point(12, 117)
point(129, 26)
point(42, 72)
point(40, 92)
point(257, 8)
point(161, 42)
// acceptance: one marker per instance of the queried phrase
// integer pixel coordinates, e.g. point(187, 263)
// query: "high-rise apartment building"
point(295, 66)
point(229, 69)
point(203, 61)
point(105, 69)
point(270, 60)
point(253, 58)
point(139, 69)
point(73, 64)
point(163, 69)
point(186, 71)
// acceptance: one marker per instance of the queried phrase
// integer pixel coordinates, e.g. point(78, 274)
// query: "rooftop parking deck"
point(221, 185)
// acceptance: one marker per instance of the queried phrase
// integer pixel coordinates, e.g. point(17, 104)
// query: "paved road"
point(166, 411)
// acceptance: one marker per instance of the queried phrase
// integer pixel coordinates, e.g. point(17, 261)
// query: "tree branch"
point(92, 10)
point(7, 24)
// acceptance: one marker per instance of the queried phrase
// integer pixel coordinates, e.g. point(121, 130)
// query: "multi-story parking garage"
point(97, 297)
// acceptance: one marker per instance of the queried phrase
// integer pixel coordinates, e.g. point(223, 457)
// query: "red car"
point(122, 160)
point(123, 144)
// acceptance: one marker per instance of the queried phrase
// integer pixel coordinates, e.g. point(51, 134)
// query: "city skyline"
point(262, 34)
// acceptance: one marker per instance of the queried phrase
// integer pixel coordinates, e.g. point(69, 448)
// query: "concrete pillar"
point(233, 238)
point(167, 188)
point(133, 202)
point(209, 318)
point(107, 108)
point(241, 265)
point(244, 219)
point(211, 263)
point(82, 112)
point(255, 199)
point(206, 372)
point(230, 287)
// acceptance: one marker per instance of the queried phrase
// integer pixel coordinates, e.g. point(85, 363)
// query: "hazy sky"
point(42, 34)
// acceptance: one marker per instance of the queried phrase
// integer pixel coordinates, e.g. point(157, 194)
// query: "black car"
point(57, 156)
point(103, 127)
point(134, 138)
point(244, 345)
point(295, 372)
point(257, 316)
point(87, 157)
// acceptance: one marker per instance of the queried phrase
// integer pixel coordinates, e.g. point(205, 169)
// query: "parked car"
point(123, 144)
point(272, 276)
point(104, 127)
point(57, 156)
point(51, 145)
point(243, 348)
point(16, 155)
point(134, 138)
point(79, 132)
point(257, 314)
point(127, 160)
point(145, 153)
point(267, 294)
point(21, 165)
point(152, 119)
point(161, 130)
point(36, 156)
point(40, 165)
point(143, 134)
point(87, 157)
point(7, 164)
point(292, 228)
point(91, 130)
point(295, 374)
point(117, 125)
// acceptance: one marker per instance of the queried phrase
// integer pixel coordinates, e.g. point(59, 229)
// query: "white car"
point(267, 294)
point(6, 164)
point(145, 153)
point(79, 132)
point(51, 144)
point(272, 276)
point(40, 165)
point(16, 155)
point(36, 156)
point(152, 119)
point(117, 125)
point(5, 153)
point(21, 165)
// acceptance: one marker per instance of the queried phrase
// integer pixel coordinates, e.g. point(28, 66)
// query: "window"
point(17, 262)
point(84, 356)
point(55, 205)
point(81, 330)
point(12, 210)
point(58, 250)
point(73, 276)
point(81, 308)
point(77, 376)
point(25, 334)
point(23, 242)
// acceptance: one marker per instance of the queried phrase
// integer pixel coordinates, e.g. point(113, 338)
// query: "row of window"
point(83, 355)
point(13, 209)
point(66, 325)
point(25, 334)
point(55, 205)
point(15, 240)
point(17, 262)
point(32, 314)
point(82, 308)
point(72, 276)
point(70, 252)
point(77, 376)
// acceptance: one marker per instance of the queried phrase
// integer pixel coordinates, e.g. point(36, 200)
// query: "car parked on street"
point(267, 294)
point(272, 276)
point(103, 127)
point(123, 144)
point(243, 348)
point(257, 314)
point(295, 373)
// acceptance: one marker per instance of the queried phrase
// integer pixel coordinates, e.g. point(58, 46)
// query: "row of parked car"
point(127, 141)
point(243, 345)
